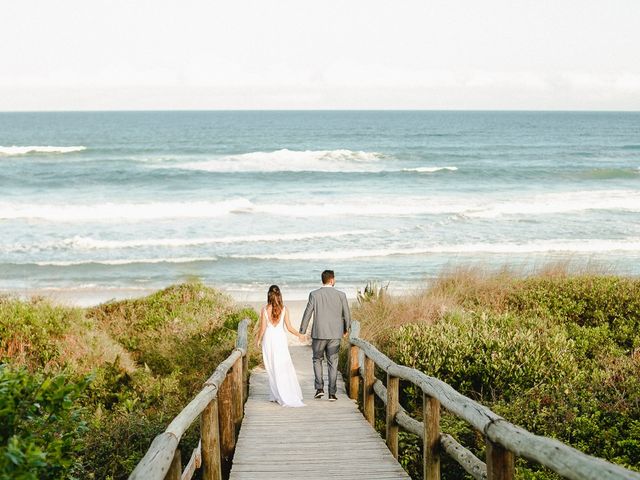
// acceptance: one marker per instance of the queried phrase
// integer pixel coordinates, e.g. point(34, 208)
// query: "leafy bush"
point(146, 357)
point(586, 301)
point(41, 424)
point(480, 359)
point(557, 354)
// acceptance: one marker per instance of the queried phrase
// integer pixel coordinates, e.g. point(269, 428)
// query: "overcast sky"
point(238, 54)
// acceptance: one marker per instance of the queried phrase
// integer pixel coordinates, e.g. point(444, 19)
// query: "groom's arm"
point(346, 313)
point(306, 317)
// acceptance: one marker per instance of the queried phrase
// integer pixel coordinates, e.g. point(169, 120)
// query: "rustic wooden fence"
point(504, 441)
point(220, 408)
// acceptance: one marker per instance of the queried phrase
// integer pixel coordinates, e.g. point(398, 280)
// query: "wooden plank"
point(210, 442)
point(500, 462)
point(467, 460)
point(175, 470)
point(354, 373)
point(321, 440)
point(431, 436)
point(368, 400)
point(225, 420)
point(235, 377)
point(157, 461)
point(393, 386)
point(194, 463)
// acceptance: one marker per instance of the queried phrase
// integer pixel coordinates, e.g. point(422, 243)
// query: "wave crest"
point(106, 212)
point(285, 160)
point(464, 206)
point(88, 243)
point(15, 150)
point(430, 169)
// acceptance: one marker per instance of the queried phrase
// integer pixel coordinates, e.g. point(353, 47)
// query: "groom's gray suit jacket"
point(330, 309)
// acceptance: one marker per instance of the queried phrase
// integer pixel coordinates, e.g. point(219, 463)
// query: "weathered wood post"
point(210, 442)
point(500, 462)
point(245, 377)
point(368, 395)
point(431, 425)
point(226, 419)
point(236, 380)
point(393, 387)
point(175, 471)
point(242, 343)
point(354, 372)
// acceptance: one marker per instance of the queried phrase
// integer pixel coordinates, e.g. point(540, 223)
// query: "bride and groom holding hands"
point(331, 320)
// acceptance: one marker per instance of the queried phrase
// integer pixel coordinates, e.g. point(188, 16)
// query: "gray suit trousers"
point(330, 347)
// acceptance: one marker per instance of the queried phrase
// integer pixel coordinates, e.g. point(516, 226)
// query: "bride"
point(283, 382)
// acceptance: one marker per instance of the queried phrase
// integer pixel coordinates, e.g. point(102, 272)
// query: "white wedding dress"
point(283, 381)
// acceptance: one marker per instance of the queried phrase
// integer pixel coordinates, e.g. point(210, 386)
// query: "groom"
point(331, 321)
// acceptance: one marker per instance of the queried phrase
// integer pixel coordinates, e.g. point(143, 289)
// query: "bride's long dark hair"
point(274, 298)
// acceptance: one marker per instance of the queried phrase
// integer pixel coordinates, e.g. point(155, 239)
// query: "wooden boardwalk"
point(322, 440)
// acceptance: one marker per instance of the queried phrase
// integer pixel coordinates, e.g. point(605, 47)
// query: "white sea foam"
point(466, 206)
point(542, 246)
point(289, 161)
point(584, 246)
point(88, 243)
point(15, 150)
point(565, 202)
point(125, 261)
point(430, 169)
point(105, 212)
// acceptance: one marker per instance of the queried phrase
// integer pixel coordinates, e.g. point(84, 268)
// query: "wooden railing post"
point(175, 471)
point(226, 419)
point(354, 372)
point(431, 425)
point(236, 380)
point(500, 462)
point(210, 442)
point(393, 387)
point(368, 395)
point(245, 377)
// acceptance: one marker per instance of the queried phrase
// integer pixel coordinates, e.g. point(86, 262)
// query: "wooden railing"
point(220, 408)
point(504, 440)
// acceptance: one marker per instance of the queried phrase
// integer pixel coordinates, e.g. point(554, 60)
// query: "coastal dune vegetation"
point(84, 391)
point(556, 352)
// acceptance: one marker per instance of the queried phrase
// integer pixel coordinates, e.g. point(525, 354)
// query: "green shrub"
point(41, 424)
point(487, 356)
point(147, 358)
point(556, 354)
point(586, 301)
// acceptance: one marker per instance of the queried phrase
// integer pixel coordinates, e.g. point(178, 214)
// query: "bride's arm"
point(263, 327)
point(287, 324)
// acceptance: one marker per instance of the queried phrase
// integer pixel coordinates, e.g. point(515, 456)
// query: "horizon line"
point(442, 110)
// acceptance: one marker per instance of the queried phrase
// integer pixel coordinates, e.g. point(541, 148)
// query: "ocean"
point(132, 201)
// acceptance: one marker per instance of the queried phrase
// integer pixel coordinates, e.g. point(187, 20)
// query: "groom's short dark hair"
point(326, 276)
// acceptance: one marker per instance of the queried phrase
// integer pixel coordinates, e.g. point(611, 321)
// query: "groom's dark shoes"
point(319, 393)
point(332, 397)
